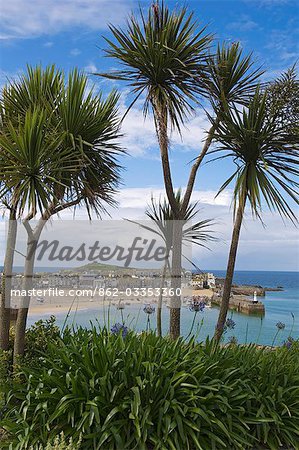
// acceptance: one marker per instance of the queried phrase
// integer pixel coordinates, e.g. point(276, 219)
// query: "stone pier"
point(242, 304)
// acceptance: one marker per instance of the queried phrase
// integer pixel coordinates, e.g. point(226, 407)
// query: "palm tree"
point(18, 98)
point(161, 214)
point(266, 156)
point(164, 58)
point(59, 155)
point(167, 60)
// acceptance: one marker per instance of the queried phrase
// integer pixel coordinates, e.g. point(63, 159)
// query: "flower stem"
point(274, 339)
point(192, 326)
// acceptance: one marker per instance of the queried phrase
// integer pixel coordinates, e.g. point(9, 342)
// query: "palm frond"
point(42, 110)
point(162, 217)
point(163, 56)
point(266, 155)
point(233, 77)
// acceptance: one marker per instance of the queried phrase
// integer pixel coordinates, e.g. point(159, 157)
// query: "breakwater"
point(241, 304)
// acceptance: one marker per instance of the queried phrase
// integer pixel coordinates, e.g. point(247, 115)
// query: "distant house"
point(86, 280)
point(203, 281)
point(195, 283)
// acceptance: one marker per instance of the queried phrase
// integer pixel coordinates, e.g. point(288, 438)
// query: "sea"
point(280, 306)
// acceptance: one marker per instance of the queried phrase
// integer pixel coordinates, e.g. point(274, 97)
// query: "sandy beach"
point(60, 305)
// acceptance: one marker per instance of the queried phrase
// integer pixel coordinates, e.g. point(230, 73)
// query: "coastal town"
point(96, 284)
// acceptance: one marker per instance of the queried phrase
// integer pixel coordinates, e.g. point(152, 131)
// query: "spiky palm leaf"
point(232, 76)
point(38, 87)
point(267, 166)
point(161, 214)
point(163, 57)
point(266, 157)
point(33, 161)
point(88, 126)
point(92, 127)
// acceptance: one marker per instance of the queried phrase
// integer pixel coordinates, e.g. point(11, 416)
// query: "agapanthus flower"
point(197, 306)
point(280, 325)
point(119, 328)
point(230, 324)
point(289, 342)
point(149, 309)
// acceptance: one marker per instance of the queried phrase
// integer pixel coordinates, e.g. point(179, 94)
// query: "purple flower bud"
point(197, 306)
point(230, 323)
point(289, 342)
point(119, 328)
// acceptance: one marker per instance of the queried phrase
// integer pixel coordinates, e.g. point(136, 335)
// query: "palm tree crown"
point(195, 231)
point(162, 215)
point(232, 76)
point(265, 154)
point(164, 57)
point(61, 138)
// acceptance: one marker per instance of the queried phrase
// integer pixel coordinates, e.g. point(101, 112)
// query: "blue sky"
point(70, 33)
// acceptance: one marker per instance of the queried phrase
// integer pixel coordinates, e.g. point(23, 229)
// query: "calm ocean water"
point(279, 307)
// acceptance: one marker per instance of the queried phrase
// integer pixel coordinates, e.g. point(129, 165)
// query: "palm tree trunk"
point(160, 300)
point(7, 281)
point(20, 328)
point(32, 241)
point(162, 134)
point(197, 163)
point(176, 273)
point(229, 273)
point(160, 114)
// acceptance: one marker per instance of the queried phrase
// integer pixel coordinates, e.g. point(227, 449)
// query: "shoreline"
point(55, 306)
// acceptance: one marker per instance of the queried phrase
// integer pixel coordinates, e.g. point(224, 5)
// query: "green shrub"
point(144, 392)
point(5, 373)
point(38, 337)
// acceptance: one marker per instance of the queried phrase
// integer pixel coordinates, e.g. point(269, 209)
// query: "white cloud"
point(283, 44)
point(138, 198)
point(244, 23)
point(75, 52)
point(91, 68)
point(23, 19)
point(275, 247)
point(194, 133)
point(48, 44)
point(139, 134)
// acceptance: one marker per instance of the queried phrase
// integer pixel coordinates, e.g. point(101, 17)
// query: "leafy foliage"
point(142, 392)
point(161, 214)
point(28, 160)
point(37, 339)
point(164, 57)
point(283, 99)
point(232, 76)
point(58, 142)
point(266, 156)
